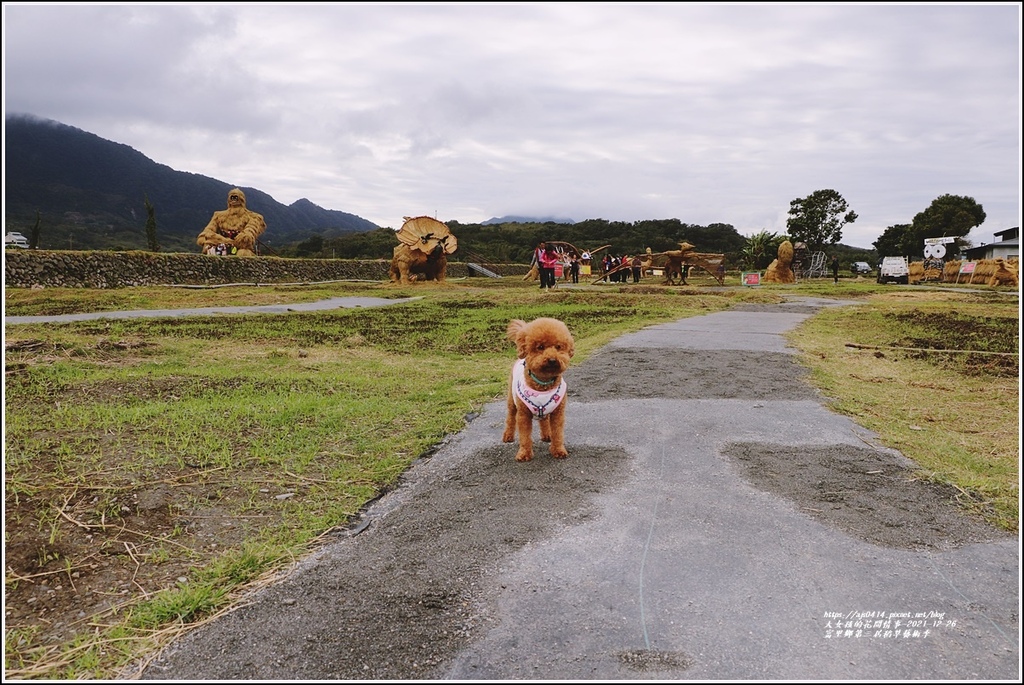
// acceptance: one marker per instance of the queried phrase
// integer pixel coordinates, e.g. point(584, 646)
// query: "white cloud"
point(701, 112)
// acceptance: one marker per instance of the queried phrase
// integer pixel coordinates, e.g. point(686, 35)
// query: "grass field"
point(153, 466)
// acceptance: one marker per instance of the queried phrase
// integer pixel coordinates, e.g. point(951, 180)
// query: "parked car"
point(15, 239)
point(860, 268)
point(894, 270)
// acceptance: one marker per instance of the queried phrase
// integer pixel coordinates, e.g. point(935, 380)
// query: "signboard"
point(584, 269)
point(933, 247)
point(751, 278)
point(966, 268)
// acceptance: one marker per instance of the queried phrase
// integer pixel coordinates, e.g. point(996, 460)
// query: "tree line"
point(816, 220)
point(514, 242)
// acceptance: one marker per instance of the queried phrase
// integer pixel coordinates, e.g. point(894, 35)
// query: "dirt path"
point(708, 524)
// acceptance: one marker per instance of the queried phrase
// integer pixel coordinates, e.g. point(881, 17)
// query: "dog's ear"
point(517, 334)
point(571, 349)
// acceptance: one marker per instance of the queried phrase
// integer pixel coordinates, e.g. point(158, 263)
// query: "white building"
point(14, 239)
point(1007, 245)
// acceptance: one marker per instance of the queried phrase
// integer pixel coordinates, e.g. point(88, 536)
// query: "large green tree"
point(946, 216)
point(896, 241)
point(818, 219)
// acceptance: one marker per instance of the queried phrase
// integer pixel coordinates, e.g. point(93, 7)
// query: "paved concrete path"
point(690, 564)
point(681, 567)
point(330, 303)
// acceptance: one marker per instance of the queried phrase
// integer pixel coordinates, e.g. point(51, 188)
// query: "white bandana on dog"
point(540, 402)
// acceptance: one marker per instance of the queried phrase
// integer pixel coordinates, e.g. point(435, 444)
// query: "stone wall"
point(94, 269)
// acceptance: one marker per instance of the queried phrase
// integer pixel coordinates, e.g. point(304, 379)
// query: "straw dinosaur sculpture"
point(422, 252)
point(673, 261)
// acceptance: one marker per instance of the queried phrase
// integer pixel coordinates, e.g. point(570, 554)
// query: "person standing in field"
point(547, 258)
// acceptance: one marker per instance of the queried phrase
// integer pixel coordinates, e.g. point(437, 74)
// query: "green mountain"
point(90, 193)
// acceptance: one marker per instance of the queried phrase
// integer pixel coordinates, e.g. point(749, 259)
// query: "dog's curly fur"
point(547, 346)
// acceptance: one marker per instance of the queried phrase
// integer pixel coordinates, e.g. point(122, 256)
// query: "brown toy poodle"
point(536, 388)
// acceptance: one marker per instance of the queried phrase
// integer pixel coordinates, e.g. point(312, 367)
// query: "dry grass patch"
point(937, 377)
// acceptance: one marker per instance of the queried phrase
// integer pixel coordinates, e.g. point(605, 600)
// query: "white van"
point(894, 270)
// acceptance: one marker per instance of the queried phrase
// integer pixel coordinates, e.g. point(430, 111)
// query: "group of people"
point(610, 267)
point(547, 259)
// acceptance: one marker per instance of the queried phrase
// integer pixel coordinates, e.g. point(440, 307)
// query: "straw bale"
point(983, 271)
point(915, 272)
point(1002, 275)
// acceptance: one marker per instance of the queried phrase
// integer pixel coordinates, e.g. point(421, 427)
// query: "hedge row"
point(70, 269)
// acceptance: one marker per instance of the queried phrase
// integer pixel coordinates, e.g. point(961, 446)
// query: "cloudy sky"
point(707, 113)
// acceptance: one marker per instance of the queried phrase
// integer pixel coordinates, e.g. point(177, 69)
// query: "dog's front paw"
point(508, 436)
point(560, 453)
point(524, 455)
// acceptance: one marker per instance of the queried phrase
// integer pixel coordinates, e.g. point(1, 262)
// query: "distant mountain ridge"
point(526, 220)
point(90, 193)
